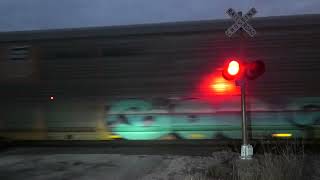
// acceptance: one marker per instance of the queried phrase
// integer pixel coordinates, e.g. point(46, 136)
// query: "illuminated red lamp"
point(51, 98)
point(232, 70)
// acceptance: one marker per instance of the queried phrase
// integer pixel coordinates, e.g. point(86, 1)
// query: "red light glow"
point(215, 85)
point(220, 85)
point(51, 98)
point(233, 68)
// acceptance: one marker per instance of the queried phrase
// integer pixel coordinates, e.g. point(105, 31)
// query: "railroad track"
point(175, 147)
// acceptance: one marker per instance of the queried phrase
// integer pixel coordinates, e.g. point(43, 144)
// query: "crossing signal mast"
point(241, 71)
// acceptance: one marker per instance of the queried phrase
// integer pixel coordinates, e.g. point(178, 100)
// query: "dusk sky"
point(51, 14)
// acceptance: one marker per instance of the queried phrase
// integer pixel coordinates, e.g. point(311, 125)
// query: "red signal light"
point(232, 70)
point(250, 70)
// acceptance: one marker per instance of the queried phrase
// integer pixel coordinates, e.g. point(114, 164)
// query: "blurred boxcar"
point(159, 81)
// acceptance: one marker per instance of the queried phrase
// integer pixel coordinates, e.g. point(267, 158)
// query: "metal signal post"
point(246, 148)
point(243, 71)
point(241, 22)
point(244, 112)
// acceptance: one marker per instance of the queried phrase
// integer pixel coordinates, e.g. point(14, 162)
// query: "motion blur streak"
point(282, 135)
point(214, 84)
point(220, 85)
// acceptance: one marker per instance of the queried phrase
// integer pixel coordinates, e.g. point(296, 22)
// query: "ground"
point(89, 163)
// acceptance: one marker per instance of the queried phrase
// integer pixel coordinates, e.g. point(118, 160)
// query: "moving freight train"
point(159, 81)
point(198, 119)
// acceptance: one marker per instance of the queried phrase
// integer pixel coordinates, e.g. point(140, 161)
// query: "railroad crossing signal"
point(241, 72)
point(241, 22)
point(237, 70)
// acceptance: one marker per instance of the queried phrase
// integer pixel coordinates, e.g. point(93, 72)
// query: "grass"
point(273, 163)
point(283, 162)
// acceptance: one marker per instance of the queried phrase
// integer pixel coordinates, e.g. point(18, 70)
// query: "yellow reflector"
point(114, 136)
point(282, 135)
point(197, 136)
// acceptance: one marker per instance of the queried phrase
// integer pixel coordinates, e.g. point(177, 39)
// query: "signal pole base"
point(246, 152)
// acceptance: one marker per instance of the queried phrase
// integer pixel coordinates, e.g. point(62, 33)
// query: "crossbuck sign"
point(241, 22)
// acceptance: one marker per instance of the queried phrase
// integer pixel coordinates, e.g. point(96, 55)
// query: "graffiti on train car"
point(144, 119)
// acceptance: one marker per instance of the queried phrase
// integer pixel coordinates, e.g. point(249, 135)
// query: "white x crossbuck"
point(241, 22)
